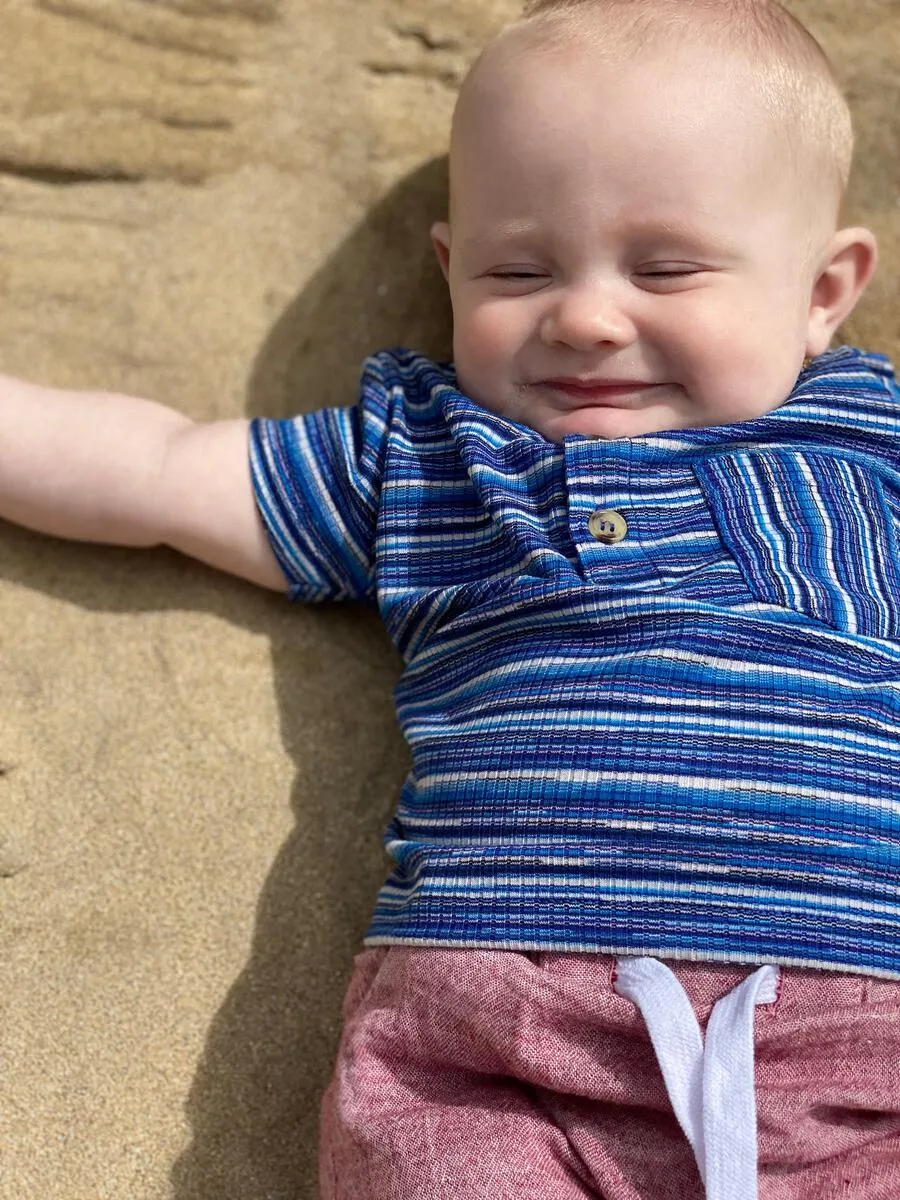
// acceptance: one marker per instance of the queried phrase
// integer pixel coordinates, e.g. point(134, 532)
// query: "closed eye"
point(668, 272)
point(672, 277)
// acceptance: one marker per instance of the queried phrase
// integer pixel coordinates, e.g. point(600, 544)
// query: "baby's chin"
point(602, 422)
point(659, 413)
point(668, 408)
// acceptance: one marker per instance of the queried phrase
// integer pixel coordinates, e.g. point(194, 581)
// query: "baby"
point(639, 550)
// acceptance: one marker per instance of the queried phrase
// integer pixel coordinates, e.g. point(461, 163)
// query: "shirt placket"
point(637, 514)
point(605, 514)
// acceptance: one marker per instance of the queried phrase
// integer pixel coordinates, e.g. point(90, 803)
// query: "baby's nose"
point(586, 316)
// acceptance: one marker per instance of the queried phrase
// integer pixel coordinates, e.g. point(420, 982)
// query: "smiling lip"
point(600, 391)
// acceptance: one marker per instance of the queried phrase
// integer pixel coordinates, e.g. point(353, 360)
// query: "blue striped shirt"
point(682, 744)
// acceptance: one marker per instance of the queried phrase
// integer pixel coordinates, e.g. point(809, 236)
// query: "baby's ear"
point(844, 271)
point(440, 239)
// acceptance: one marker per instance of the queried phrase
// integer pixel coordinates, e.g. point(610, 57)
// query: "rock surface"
point(224, 204)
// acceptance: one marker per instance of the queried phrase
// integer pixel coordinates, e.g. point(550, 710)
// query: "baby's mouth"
point(614, 393)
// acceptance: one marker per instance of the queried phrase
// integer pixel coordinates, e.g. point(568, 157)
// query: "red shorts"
point(494, 1075)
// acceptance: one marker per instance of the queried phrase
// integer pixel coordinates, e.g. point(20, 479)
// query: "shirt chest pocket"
point(812, 532)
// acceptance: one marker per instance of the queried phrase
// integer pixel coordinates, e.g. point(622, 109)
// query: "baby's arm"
point(108, 468)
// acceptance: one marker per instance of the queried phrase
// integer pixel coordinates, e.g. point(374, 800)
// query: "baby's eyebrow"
point(509, 231)
point(664, 233)
point(684, 234)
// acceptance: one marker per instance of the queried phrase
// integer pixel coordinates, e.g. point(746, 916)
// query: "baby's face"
point(625, 254)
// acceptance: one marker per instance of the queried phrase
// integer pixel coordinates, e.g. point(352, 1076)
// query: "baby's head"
point(644, 211)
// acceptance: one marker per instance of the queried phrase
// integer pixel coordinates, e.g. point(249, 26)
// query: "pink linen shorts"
point(496, 1075)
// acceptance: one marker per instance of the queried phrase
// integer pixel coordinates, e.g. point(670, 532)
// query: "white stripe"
point(584, 776)
point(737, 667)
point(866, 912)
point(550, 721)
point(417, 827)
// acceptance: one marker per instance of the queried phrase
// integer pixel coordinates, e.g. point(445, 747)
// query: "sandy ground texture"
point(223, 204)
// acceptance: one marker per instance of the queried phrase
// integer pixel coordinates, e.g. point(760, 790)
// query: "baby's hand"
point(107, 468)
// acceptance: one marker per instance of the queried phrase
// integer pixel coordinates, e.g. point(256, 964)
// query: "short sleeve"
point(317, 483)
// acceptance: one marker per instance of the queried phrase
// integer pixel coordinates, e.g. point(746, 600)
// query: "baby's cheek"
point(714, 357)
point(716, 332)
point(485, 339)
point(491, 325)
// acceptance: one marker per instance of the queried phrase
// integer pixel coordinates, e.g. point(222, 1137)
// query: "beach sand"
point(224, 205)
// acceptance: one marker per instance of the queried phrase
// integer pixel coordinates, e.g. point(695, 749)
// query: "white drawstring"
point(711, 1088)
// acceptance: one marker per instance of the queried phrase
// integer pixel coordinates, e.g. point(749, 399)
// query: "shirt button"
point(607, 525)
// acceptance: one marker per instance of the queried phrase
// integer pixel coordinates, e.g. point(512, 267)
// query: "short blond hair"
point(795, 78)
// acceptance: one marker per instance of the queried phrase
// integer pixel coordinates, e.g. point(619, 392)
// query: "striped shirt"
point(684, 743)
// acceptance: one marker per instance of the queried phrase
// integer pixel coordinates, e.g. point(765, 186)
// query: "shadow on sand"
point(253, 1107)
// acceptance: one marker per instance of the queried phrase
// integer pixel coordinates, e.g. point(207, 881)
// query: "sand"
point(224, 204)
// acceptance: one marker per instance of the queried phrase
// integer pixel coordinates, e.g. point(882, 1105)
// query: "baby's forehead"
point(525, 97)
point(522, 76)
point(739, 61)
point(526, 75)
point(513, 57)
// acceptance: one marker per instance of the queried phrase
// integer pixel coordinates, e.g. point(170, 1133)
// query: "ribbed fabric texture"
point(682, 744)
